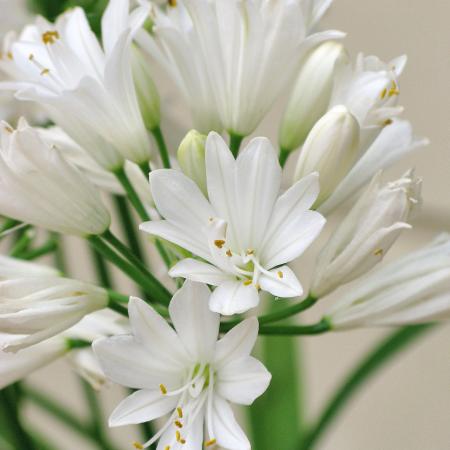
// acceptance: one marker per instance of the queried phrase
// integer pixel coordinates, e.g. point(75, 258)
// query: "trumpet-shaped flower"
point(86, 89)
point(366, 233)
point(38, 186)
point(226, 55)
point(412, 289)
point(184, 373)
point(245, 232)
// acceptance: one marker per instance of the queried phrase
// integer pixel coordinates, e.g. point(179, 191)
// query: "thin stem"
point(370, 364)
point(129, 255)
point(59, 256)
point(50, 246)
point(235, 143)
point(284, 154)
point(159, 138)
point(101, 268)
point(284, 313)
point(279, 330)
point(25, 239)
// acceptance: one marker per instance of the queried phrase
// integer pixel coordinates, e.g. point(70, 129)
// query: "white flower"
point(367, 232)
point(86, 90)
point(38, 186)
point(231, 58)
point(16, 268)
point(412, 289)
point(310, 98)
point(186, 373)
point(393, 143)
point(330, 149)
point(245, 232)
point(36, 308)
point(15, 366)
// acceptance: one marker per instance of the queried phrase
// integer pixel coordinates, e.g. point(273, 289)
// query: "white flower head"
point(185, 373)
point(232, 58)
point(367, 232)
point(87, 90)
point(245, 232)
point(37, 308)
point(38, 186)
point(412, 289)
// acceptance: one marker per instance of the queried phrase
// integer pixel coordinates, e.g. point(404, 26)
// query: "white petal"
point(197, 326)
point(233, 297)
point(237, 343)
point(227, 431)
point(142, 406)
point(195, 270)
point(114, 23)
point(282, 283)
point(242, 380)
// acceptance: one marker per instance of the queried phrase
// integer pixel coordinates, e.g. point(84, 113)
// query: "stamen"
point(378, 252)
point(172, 3)
point(178, 436)
point(180, 412)
point(250, 251)
point(210, 442)
point(258, 286)
point(394, 89)
point(383, 93)
point(45, 71)
point(138, 445)
point(247, 282)
point(228, 253)
point(8, 129)
point(50, 37)
point(280, 274)
point(10, 55)
point(219, 243)
point(167, 447)
point(163, 389)
point(387, 122)
point(178, 424)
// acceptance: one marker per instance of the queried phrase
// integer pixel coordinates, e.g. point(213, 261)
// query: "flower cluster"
point(225, 221)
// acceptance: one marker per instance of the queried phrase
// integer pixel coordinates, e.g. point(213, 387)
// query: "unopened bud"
point(311, 94)
point(331, 149)
point(146, 91)
point(191, 157)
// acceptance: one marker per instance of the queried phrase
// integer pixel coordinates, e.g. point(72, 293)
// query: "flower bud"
point(366, 233)
point(191, 157)
point(311, 94)
point(147, 94)
point(331, 149)
point(412, 289)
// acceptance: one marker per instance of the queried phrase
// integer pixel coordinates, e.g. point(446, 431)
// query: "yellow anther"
point(210, 219)
point(31, 56)
point(280, 274)
point(210, 442)
point(178, 424)
point(394, 89)
point(9, 129)
point(378, 252)
point(172, 3)
point(50, 37)
point(45, 71)
point(247, 282)
point(167, 447)
point(178, 436)
point(228, 253)
point(138, 445)
point(163, 389)
point(258, 286)
point(387, 122)
point(182, 441)
point(219, 243)
point(383, 93)
point(180, 412)
point(250, 251)
point(9, 55)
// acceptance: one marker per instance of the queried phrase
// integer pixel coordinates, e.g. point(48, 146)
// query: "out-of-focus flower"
point(311, 95)
point(231, 58)
point(38, 186)
point(86, 90)
point(331, 149)
point(186, 373)
point(412, 289)
point(191, 157)
point(246, 232)
point(367, 232)
point(16, 268)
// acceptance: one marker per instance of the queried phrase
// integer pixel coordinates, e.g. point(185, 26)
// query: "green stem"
point(50, 246)
point(159, 138)
point(101, 268)
point(284, 154)
point(288, 330)
point(235, 143)
point(370, 364)
point(26, 237)
point(120, 247)
point(284, 313)
point(119, 302)
point(59, 256)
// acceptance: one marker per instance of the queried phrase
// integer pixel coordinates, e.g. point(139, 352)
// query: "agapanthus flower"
point(245, 232)
point(38, 186)
point(86, 89)
point(232, 58)
point(185, 372)
point(411, 289)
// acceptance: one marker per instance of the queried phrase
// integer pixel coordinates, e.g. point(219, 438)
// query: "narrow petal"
point(233, 297)
point(237, 343)
point(281, 283)
point(142, 406)
point(197, 326)
point(195, 270)
point(243, 380)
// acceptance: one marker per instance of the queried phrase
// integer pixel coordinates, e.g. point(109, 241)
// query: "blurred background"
point(407, 405)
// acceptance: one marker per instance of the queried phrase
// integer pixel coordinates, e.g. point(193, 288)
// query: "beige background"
point(407, 407)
